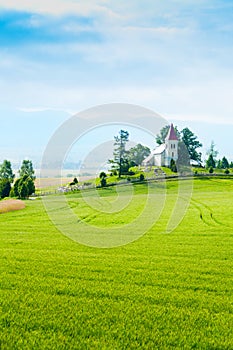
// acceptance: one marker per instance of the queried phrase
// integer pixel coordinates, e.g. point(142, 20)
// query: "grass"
point(11, 205)
point(163, 291)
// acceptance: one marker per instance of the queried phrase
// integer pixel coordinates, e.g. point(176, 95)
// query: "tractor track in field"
point(206, 213)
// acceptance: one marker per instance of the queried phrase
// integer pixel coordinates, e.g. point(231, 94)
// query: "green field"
point(162, 291)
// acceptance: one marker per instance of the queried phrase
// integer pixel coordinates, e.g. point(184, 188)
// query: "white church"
point(162, 155)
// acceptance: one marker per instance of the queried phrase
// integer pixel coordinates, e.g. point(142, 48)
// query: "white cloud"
point(43, 109)
point(57, 7)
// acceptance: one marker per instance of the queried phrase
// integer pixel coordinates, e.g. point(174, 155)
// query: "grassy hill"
point(162, 291)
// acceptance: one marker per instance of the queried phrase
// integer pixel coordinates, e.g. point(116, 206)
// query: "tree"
point(23, 190)
point(137, 154)
point(5, 188)
point(27, 169)
point(6, 171)
point(210, 162)
point(225, 163)
point(183, 155)
point(212, 155)
point(173, 166)
point(24, 187)
point(160, 138)
point(219, 164)
point(29, 182)
point(120, 161)
point(103, 181)
point(212, 151)
point(192, 144)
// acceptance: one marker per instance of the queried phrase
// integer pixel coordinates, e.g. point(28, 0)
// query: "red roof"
point(171, 134)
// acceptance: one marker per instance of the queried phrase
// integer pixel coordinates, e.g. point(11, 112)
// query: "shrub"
point(227, 171)
point(211, 170)
point(141, 177)
point(103, 181)
point(173, 166)
point(102, 174)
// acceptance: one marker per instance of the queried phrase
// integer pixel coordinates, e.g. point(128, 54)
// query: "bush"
point(141, 177)
point(211, 170)
point(102, 174)
point(227, 171)
point(173, 166)
point(103, 181)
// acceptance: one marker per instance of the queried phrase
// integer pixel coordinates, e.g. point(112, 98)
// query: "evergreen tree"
point(23, 190)
point(225, 163)
point(20, 185)
point(219, 164)
point(212, 151)
point(27, 169)
point(183, 155)
point(210, 162)
point(6, 171)
point(103, 181)
point(5, 188)
point(120, 161)
point(173, 166)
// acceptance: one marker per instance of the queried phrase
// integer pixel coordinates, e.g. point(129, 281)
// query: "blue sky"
point(59, 57)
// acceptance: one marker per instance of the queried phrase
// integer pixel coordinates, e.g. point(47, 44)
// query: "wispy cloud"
point(66, 54)
point(44, 109)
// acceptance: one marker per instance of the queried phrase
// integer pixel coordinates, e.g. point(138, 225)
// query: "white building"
point(162, 155)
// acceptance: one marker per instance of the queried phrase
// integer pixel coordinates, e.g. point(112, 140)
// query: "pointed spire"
point(171, 134)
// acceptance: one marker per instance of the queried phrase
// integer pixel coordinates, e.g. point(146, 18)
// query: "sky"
point(60, 57)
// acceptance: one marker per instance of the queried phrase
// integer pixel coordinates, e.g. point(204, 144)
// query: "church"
point(162, 155)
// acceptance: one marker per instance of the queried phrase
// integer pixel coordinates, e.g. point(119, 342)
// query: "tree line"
point(188, 151)
point(212, 162)
point(23, 186)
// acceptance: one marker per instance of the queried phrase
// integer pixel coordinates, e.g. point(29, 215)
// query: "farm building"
point(162, 155)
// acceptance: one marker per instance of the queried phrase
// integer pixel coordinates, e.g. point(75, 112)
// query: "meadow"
point(161, 291)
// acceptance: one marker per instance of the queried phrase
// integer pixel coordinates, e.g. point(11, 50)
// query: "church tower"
point(171, 144)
